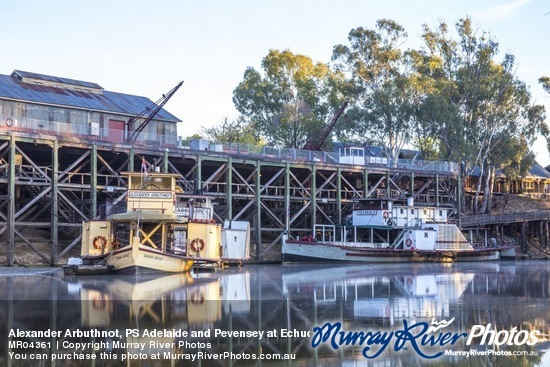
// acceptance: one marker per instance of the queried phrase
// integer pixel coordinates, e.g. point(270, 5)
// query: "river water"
point(468, 314)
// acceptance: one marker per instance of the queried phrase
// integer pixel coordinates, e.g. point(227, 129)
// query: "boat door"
point(180, 239)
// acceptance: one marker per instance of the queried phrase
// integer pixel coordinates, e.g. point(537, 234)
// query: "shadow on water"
point(233, 316)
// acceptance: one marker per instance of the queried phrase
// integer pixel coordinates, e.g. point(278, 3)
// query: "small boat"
point(381, 231)
point(147, 249)
point(150, 236)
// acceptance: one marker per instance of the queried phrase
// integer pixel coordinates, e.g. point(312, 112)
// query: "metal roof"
point(538, 171)
point(55, 79)
point(12, 87)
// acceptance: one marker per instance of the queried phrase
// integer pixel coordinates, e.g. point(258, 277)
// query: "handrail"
point(506, 218)
point(84, 133)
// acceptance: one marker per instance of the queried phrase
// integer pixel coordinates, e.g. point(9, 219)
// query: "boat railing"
point(479, 244)
point(449, 237)
point(325, 233)
point(454, 246)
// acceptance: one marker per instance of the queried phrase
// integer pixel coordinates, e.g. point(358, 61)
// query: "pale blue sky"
point(147, 47)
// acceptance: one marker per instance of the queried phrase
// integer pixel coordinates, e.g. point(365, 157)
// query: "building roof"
point(63, 92)
point(538, 171)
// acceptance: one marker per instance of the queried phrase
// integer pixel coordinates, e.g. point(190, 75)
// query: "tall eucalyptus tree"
point(290, 101)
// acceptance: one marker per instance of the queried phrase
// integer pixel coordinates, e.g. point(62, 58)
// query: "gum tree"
point(290, 100)
point(496, 119)
point(380, 84)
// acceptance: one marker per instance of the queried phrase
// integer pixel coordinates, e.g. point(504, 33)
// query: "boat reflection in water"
point(391, 298)
point(152, 313)
point(382, 299)
point(205, 314)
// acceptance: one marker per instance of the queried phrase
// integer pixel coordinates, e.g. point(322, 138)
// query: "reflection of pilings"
point(523, 239)
point(230, 328)
point(259, 342)
point(53, 320)
point(9, 322)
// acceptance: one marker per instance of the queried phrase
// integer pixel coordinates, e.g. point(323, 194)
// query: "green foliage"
point(452, 99)
point(383, 92)
point(186, 140)
point(291, 101)
point(438, 132)
point(233, 131)
point(515, 161)
point(545, 82)
point(486, 117)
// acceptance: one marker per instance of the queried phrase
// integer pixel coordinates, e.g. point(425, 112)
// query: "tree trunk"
point(488, 191)
point(478, 189)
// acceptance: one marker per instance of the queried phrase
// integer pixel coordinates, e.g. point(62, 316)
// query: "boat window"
point(400, 211)
point(441, 213)
point(412, 211)
point(425, 234)
point(357, 152)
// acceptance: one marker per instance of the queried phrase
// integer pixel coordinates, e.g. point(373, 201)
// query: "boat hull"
point(144, 259)
point(304, 251)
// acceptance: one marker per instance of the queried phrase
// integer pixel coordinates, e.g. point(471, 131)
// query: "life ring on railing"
point(197, 298)
point(408, 242)
point(386, 214)
point(9, 122)
point(197, 244)
point(99, 242)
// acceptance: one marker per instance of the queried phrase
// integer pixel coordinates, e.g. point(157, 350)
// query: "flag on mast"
point(143, 167)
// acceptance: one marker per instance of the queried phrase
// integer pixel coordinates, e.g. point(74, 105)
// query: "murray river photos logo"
point(423, 338)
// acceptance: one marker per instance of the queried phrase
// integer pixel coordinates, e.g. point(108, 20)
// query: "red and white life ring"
point(99, 242)
point(197, 244)
point(386, 214)
point(408, 242)
point(197, 298)
point(9, 122)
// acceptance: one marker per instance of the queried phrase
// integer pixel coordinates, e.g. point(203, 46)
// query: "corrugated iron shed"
point(13, 88)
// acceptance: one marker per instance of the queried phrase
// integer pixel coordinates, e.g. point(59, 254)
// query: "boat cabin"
point(195, 207)
point(372, 212)
point(154, 191)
